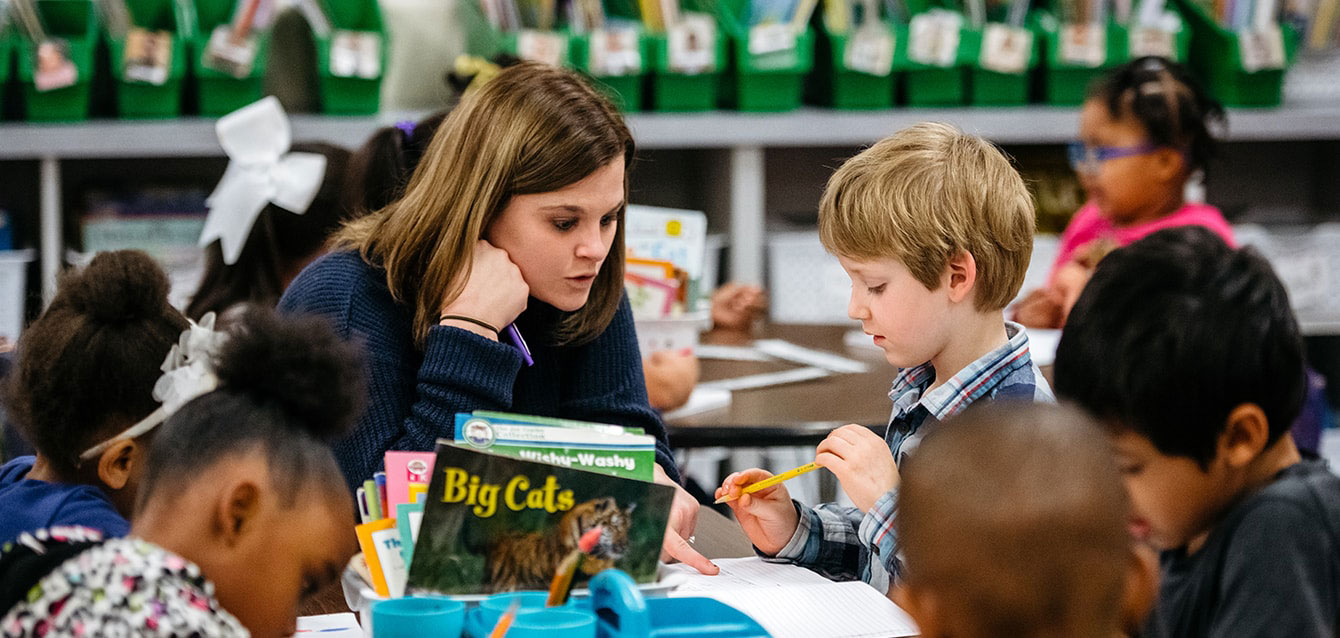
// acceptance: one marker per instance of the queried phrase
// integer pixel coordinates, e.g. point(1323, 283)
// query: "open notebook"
point(794, 602)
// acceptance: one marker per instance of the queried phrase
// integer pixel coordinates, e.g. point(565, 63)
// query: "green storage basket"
point(8, 101)
point(220, 93)
point(351, 95)
point(75, 22)
point(6, 60)
point(1217, 60)
point(1181, 40)
point(988, 87)
point(510, 45)
point(768, 82)
point(1065, 83)
point(624, 90)
point(930, 85)
point(672, 91)
point(141, 99)
point(483, 40)
point(834, 84)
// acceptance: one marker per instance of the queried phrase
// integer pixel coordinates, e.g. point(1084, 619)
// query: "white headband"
point(188, 372)
point(260, 171)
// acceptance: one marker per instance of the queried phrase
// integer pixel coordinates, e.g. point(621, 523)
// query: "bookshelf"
point(744, 138)
point(194, 136)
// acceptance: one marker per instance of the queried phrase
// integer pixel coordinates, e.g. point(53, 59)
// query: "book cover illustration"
point(608, 449)
point(493, 523)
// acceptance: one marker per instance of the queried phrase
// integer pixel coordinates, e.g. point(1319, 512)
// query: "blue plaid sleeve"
point(825, 541)
point(877, 532)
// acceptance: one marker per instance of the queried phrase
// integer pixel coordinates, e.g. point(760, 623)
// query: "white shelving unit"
point(745, 136)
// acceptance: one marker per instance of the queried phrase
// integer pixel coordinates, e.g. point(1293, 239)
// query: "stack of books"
point(394, 503)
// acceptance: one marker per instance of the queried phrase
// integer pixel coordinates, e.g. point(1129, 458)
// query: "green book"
point(608, 449)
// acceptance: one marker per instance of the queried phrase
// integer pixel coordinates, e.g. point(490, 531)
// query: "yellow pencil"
point(771, 481)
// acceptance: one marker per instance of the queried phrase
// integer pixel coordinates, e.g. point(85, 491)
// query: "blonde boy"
point(935, 229)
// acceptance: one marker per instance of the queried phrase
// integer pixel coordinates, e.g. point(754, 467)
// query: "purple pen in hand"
point(514, 336)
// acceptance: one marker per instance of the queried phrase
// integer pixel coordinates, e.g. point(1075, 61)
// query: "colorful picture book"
point(493, 523)
point(380, 542)
point(596, 447)
point(665, 264)
point(403, 470)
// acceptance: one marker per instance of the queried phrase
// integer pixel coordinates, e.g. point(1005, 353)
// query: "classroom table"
point(716, 536)
point(796, 414)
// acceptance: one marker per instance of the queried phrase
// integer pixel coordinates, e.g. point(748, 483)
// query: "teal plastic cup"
point(558, 622)
point(480, 621)
point(418, 617)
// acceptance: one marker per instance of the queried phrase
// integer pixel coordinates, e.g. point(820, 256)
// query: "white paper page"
point(700, 401)
point(729, 353)
point(809, 356)
point(834, 610)
point(343, 625)
point(767, 379)
point(739, 573)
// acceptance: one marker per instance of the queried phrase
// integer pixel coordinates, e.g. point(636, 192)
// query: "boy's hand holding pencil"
point(862, 462)
point(767, 516)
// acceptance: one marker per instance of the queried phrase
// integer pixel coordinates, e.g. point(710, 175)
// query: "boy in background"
point(1188, 353)
point(935, 229)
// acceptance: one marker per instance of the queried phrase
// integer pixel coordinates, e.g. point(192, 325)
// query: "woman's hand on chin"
point(683, 518)
point(494, 294)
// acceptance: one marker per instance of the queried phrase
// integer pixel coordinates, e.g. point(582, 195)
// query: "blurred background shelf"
point(807, 127)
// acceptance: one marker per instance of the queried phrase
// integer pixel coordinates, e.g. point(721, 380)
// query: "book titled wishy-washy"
point(609, 449)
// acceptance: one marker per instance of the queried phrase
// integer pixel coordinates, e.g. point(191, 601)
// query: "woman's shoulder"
point(336, 270)
point(343, 287)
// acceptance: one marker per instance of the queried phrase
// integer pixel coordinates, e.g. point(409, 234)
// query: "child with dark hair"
point(281, 243)
point(1188, 352)
point(243, 510)
point(82, 393)
point(379, 170)
point(1144, 131)
point(1013, 520)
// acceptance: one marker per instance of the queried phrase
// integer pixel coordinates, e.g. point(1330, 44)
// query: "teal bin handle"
point(621, 610)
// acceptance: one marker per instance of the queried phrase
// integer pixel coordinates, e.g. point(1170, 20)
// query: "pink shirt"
point(1088, 225)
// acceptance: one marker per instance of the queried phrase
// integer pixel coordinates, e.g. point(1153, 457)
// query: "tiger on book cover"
point(528, 561)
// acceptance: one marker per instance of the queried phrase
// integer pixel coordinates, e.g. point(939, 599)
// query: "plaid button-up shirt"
point(844, 543)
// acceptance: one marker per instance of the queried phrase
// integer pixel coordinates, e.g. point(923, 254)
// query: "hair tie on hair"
point(188, 372)
point(407, 127)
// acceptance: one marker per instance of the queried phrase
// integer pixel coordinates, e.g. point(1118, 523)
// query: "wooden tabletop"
point(716, 536)
point(794, 414)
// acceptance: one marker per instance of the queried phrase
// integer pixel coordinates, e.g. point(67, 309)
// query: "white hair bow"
point(188, 372)
point(260, 171)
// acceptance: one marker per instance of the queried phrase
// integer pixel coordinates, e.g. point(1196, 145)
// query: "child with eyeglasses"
point(1144, 131)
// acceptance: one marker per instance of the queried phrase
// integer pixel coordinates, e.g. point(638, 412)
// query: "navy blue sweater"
point(413, 396)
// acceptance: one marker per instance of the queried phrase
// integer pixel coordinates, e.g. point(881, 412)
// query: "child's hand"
point(670, 378)
point(1068, 283)
point(862, 462)
point(1141, 589)
point(735, 307)
point(767, 516)
point(1041, 308)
